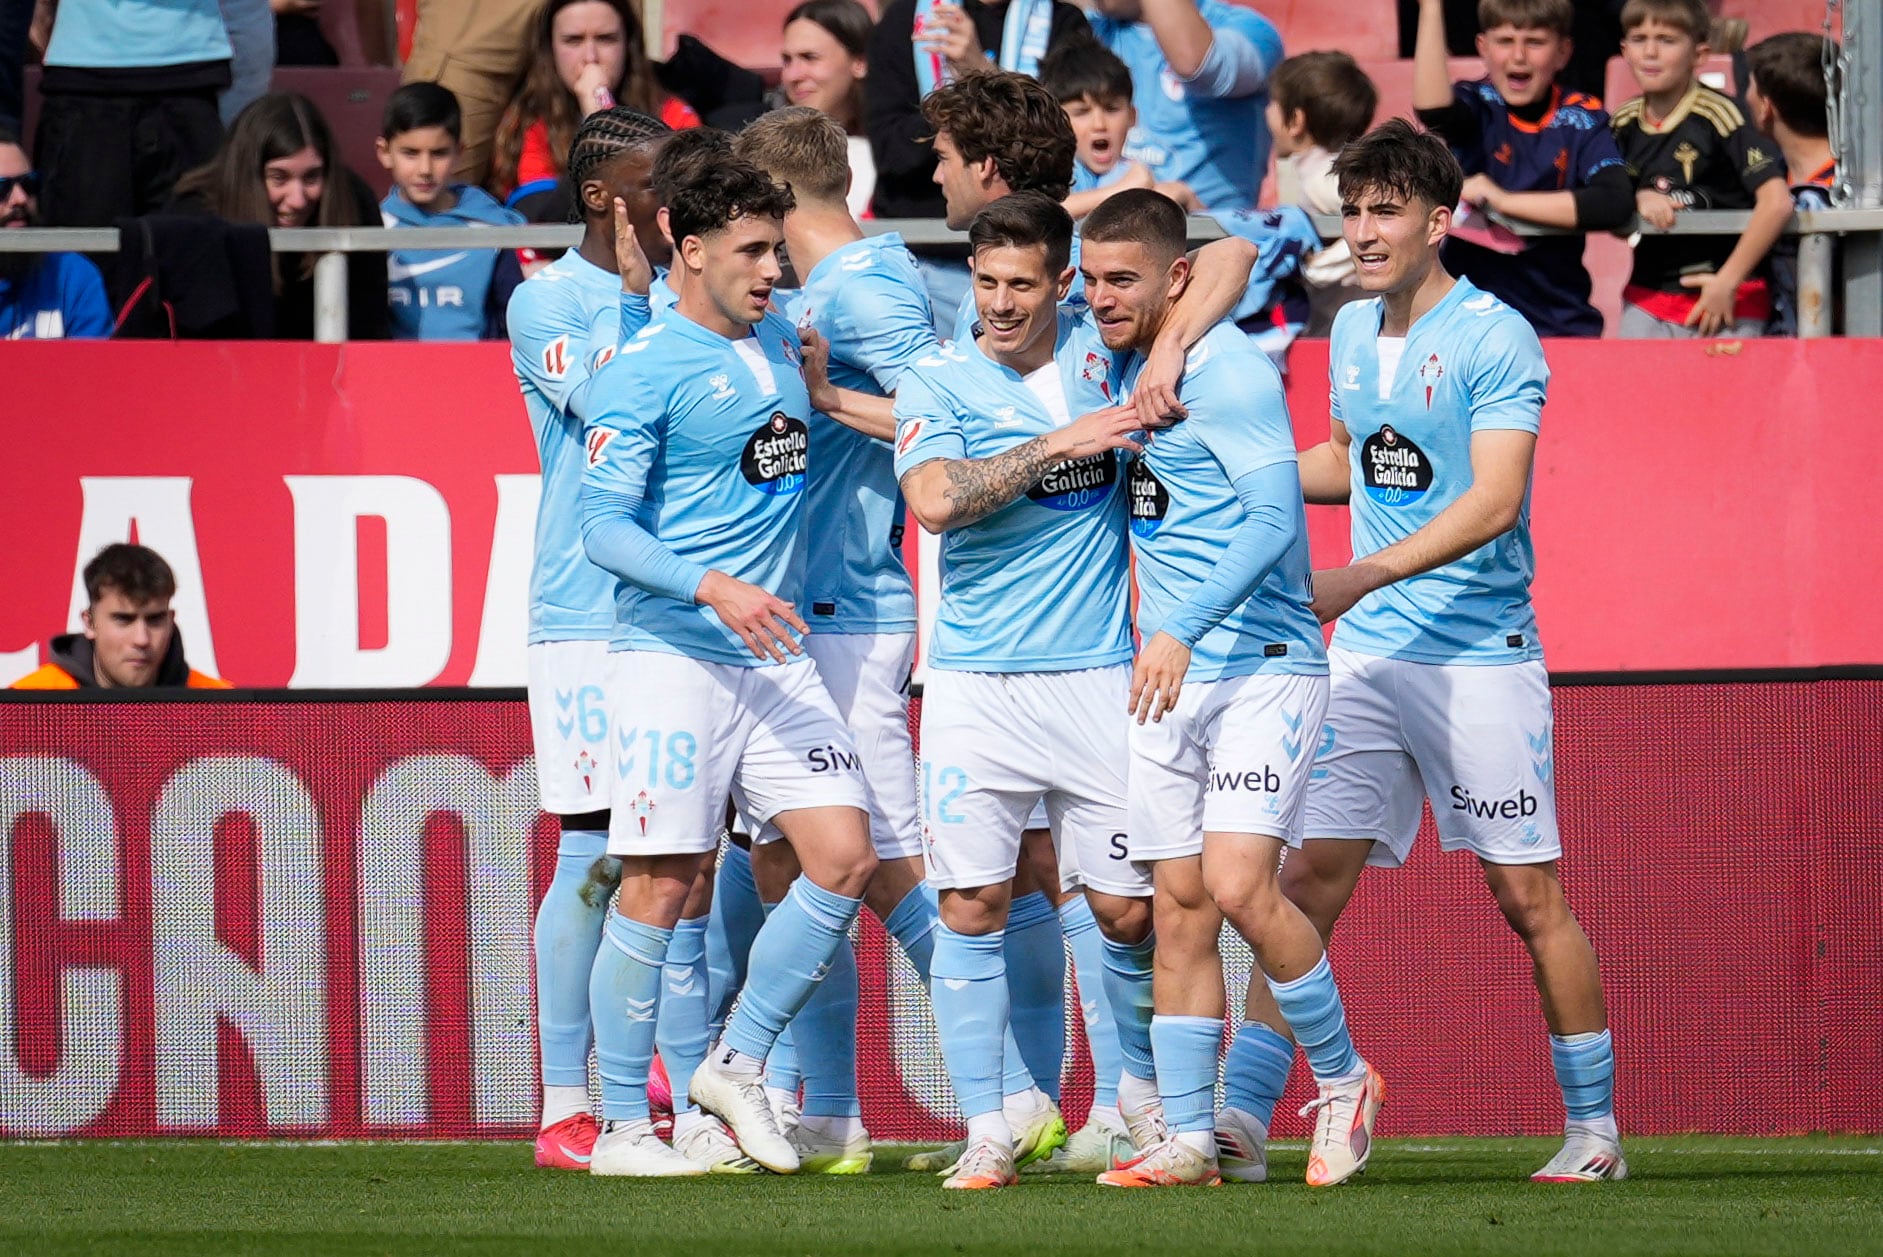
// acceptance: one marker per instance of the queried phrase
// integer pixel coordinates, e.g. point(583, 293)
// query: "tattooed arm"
point(946, 493)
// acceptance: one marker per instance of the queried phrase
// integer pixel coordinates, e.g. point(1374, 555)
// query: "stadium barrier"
point(308, 915)
point(362, 515)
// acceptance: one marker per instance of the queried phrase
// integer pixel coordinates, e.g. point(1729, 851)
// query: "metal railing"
point(1817, 231)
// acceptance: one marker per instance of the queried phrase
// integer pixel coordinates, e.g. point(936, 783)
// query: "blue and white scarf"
point(1023, 36)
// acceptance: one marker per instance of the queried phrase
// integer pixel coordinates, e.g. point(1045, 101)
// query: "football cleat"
point(741, 1105)
point(785, 1108)
point(709, 1143)
point(568, 1144)
point(630, 1150)
point(1241, 1146)
point(1145, 1126)
point(985, 1164)
point(1343, 1127)
point(1585, 1158)
point(1093, 1148)
point(1172, 1163)
point(822, 1153)
point(1037, 1133)
point(659, 1088)
point(940, 1160)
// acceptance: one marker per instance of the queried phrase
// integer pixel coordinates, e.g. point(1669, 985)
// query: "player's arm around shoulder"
point(1326, 468)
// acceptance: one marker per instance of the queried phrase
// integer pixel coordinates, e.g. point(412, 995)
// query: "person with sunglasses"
point(43, 296)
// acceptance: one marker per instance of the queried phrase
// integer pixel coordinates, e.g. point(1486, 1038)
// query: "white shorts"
point(687, 733)
point(994, 744)
point(569, 725)
point(867, 677)
point(1233, 757)
point(1475, 740)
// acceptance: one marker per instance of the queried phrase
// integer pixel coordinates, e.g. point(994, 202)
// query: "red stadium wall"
point(360, 515)
point(236, 917)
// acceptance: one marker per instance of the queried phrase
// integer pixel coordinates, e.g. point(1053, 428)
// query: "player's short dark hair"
point(422, 105)
point(1549, 15)
point(1012, 119)
point(801, 146)
point(1082, 70)
point(1139, 216)
point(137, 572)
point(716, 195)
point(1021, 220)
point(1332, 93)
point(1690, 16)
point(1399, 158)
point(683, 157)
point(1789, 71)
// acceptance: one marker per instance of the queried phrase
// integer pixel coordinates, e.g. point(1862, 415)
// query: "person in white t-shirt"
point(824, 66)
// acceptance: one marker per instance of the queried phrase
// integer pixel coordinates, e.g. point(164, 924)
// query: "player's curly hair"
point(606, 135)
point(717, 194)
point(684, 156)
point(1401, 159)
point(1012, 119)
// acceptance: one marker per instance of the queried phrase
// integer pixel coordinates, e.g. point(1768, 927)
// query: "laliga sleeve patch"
point(597, 445)
point(906, 438)
point(556, 358)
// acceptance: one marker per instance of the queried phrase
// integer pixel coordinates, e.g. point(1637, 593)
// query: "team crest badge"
point(640, 807)
point(585, 764)
point(791, 353)
point(1431, 371)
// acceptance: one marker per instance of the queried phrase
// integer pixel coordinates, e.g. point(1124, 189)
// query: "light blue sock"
point(781, 1063)
point(737, 915)
point(1260, 1059)
point(825, 1034)
point(1186, 1049)
point(1128, 984)
point(568, 930)
point(624, 991)
point(789, 958)
point(1585, 1070)
point(680, 1031)
point(1088, 963)
point(1036, 985)
point(1311, 1006)
point(968, 987)
point(912, 925)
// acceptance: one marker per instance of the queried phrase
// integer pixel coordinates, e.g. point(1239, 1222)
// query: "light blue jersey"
point(1039, 585)
point(564, 322)
point(1471, 364)
point(968, 316)
point(1189, 523)
point(1085, 179)
point(870, 304)
point(1207, 131)
point(695, 460)
point(122, 34)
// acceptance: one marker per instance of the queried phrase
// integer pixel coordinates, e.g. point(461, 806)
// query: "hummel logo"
point(685, 986)
point(1482, 306)
point(640, 1009)
point(1005, 418)
point(722, 388)
point(1353, 378)
point(858, 261)
point(821, 972)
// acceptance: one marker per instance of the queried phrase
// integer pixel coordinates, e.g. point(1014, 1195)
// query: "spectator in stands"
point(476, 49)
point(251, 28)
point(1688, 146)
point(1094, 88)
point(130, 640)
point(1789, 97)
point(1200, 70)
point(917, 46)
point(43, 296)
point(585, 56)
point(298, 37)
point(824, 65)
point(277, 167)
point(1317, 103)
point(436, 294)
point(128, 104)
point(1531, 152)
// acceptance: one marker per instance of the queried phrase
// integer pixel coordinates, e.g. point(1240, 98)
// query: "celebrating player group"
point(722, 631)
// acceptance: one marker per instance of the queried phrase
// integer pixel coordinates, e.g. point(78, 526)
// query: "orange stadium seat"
point(1362, 28)
point(745, 31)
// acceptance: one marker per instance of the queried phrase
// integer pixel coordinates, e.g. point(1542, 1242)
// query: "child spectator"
point(1317, 102)
point(1789, 98)
point(433, 294)
point(1530, 151)
point(1094, 88)
point(43, 296)
point(1688, 147)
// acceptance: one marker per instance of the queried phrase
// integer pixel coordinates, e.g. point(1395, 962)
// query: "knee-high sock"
point(568, 930)
point(781, 1063)
point(912, 924)
point(624, 991)
point(1128, 983)
point(1186, 1049)
point(1257, 1070)
point(825, 1034)
point(789, 958)
point(734, 923)
point(1311, 1005)
point(1088, 961)
point(968, 986)
point(680, 1031)
point(1585, 1069)
point(1036, 985)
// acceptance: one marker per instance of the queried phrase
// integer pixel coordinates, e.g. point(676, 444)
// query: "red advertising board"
point(359, 515)
point(235, 917)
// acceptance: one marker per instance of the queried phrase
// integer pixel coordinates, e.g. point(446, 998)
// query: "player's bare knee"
point(1531, 900)
point(1121, 919)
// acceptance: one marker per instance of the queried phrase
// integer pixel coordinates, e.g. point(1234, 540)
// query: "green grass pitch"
point(1697, 1195)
